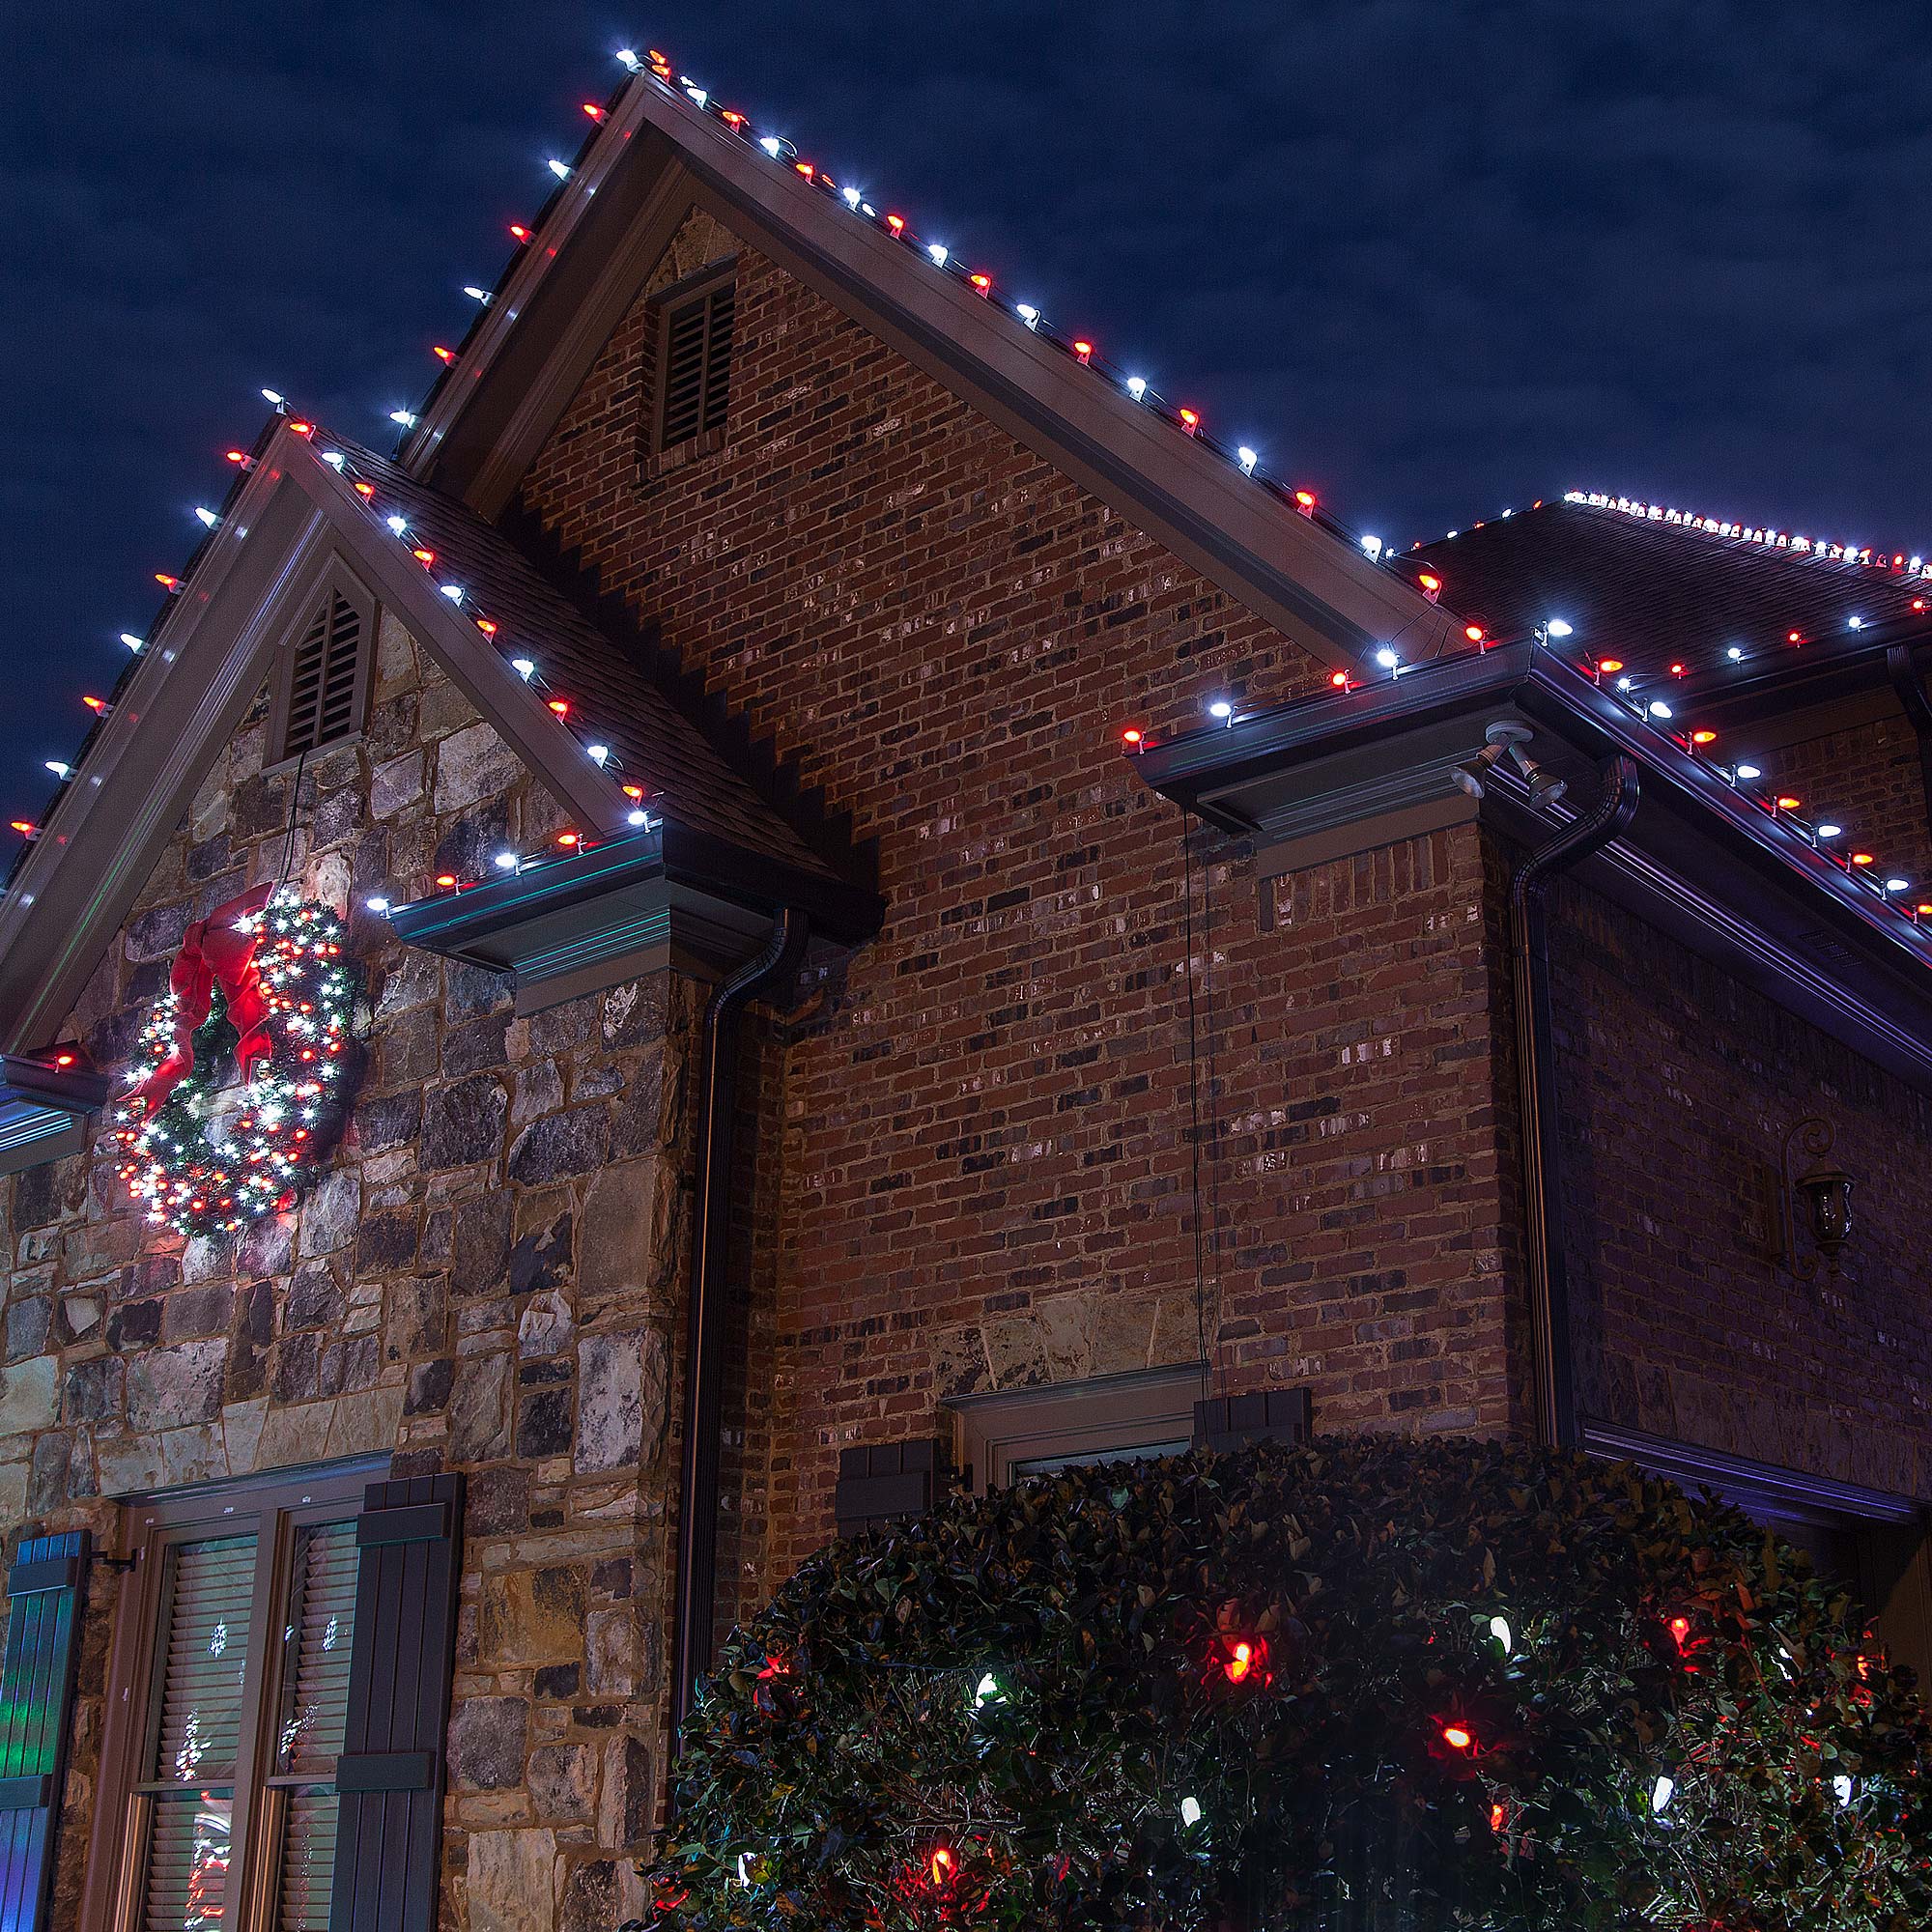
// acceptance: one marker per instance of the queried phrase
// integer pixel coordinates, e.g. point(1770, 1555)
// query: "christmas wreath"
point(261, 982)
point(1363, 1684)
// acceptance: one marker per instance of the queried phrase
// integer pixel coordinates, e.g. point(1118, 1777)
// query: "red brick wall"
point(983, 1165)
point(1865, 777)
point(1676, 1079)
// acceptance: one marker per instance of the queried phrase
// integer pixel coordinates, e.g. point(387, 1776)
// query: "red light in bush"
point(940, 1868)
point(1243, 1659)
point(1457, 1738)
point(1680, 1628)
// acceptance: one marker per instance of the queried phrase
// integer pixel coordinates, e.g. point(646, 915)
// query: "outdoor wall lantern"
point(1824, 1191)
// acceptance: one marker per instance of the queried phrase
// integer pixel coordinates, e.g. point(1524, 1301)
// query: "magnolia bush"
point(1373, 1683)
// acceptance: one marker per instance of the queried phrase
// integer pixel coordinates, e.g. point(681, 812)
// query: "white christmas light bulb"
point(1499, 1629)
point(771, 146)
point(274, 396)
point(476, 294)
point(506, 862)
point(1750, 771)
point(523, 668)
point(133, 642)
point(597, 753)
point(1387, 658)
point(937, 250)
point(397, 524)
point(1662, 1792)
point(1560, 627)
point(453, 591)
point(636, 817)
point(407, 418)
point(59, 768)
point(376, 905)
point(1372, 549)
point(697, 93)
point(851, 195)
point(208, 517)
point(1190, 1811)
point(1247, 458)
point(1027, 313)
point(628, 60)
point(1136, 386)
point(1659, 709)
point(560, 169)
point(1841, 1790)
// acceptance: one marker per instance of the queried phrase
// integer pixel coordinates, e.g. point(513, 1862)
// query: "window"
point(1035, 1432)
point(231, 1685)
point(693, 359)
point(323, 679)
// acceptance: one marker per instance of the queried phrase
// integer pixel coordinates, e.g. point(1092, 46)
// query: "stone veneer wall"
point(483, 1279)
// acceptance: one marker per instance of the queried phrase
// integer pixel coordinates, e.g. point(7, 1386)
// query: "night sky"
point(1433, 258)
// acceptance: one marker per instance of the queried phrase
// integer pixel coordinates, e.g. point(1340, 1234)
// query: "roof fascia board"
point(202, 668)
point(1316, 587)
point(489, 428)
point(471, 661)
point(1700, 859)
point(422, 451)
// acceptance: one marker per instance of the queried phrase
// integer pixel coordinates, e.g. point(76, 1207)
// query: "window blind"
point(695, 380)
point(324, 676)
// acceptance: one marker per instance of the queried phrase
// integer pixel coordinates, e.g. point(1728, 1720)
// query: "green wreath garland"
point(294, 978)
point(1364, 1684)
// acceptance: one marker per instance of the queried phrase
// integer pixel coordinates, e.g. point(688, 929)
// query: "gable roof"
point(305, 505)
point(1661, 589)
point(665, 146)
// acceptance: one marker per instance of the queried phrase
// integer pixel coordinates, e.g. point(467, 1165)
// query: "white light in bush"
point(1662, 1792)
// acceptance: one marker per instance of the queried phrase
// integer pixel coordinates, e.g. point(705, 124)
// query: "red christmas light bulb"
point(1457, 1738)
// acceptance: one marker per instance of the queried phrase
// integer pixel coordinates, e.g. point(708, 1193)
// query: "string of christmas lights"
point(657, 69)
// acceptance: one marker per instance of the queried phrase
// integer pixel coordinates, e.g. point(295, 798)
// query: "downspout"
point(1911, 689)
point(710, 1305)
point(1536, 1093)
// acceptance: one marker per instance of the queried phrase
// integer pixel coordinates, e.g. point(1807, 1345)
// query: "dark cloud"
point(1434, 256)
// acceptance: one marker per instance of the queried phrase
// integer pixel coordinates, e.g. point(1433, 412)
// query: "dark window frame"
point(338, 581)
point(697, 291)
point(1002, 1428)
point(274, 1508)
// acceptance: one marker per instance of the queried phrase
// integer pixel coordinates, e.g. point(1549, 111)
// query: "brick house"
point(912, 918)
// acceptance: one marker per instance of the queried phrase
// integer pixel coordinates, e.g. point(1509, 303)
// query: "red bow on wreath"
point(217, 950)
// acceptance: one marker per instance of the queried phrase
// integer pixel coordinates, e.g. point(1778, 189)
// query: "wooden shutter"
point(325, 677)
point(882, 1481)
point(36, 1692)
point(389, 1775)
point(694, 365)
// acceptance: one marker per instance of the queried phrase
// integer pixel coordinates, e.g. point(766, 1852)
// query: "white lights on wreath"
point(204, 1181)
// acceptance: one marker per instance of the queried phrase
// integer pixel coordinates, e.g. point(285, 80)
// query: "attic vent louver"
point(325, 677)
point(694, 365)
